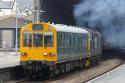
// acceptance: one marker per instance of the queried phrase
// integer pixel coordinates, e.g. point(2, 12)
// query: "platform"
point(115, 76)
point(9, 59)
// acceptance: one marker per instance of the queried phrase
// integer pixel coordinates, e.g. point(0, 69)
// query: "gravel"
point(85, 75)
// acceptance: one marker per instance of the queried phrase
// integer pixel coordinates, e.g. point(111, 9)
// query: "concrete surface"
point(115, 76)
point(9, 59)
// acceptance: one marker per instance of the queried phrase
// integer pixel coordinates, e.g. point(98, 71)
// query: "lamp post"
point(38, 14)
point(16, 45)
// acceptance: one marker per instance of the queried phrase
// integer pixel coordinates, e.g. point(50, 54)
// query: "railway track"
point(67, 75)
point(26, 81)
point(106, 71)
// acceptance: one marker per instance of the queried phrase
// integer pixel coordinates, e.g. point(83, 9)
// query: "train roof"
point(92, 31)
point(72, 29)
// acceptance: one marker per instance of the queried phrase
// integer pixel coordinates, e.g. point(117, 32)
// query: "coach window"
point(61, 42)
point(96, 43)
point(75, 40)
point(81, 41)
point(48, 39)
point(70, 40)
point(64, 40)
point(38, 38)
point(27, 39)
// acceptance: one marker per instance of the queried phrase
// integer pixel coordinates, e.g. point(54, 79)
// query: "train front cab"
point(38, 45)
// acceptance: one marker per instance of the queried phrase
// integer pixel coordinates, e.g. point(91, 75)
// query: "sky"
point(25, 3)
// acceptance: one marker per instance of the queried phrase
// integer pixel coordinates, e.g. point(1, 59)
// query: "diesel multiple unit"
point(50, 49)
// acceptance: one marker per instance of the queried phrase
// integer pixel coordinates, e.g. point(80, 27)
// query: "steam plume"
point(108, 16)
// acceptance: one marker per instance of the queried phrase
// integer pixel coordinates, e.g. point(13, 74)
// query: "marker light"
point(23, 53)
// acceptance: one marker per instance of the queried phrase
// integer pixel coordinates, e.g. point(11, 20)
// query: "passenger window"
point(96, 43)
point(74, 40)
point(80, 41)
point(61, 42)
point(27, 39)
point(38, 38)
point(86, 43)
point(48, 39)
point(70, 40)
point(64, 40)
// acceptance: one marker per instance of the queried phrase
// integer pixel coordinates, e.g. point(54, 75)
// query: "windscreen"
point(38, 38)
point(48, 39)
point(27, 39)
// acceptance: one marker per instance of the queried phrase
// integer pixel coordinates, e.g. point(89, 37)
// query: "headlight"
point(45, 54)
point(23, 53)
point(50, 54)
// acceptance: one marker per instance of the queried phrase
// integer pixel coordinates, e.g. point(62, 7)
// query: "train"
point(48, 49)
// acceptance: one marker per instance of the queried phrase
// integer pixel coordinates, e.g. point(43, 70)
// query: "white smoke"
point(106, 15)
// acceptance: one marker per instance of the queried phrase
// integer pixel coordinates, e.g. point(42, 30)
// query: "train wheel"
point(56, 71)
point(87, 63)
point(45, 72)
point(52, 74)
point(71, 66)
point(81, 64)
point(68, 67)
point(96, 59)
point(29, 76)
point(99, 59)
point(63, 69)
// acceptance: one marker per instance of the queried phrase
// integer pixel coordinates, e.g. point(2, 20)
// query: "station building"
point(8, 32)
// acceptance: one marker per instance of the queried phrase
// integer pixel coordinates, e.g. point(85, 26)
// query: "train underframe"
point(45, 69)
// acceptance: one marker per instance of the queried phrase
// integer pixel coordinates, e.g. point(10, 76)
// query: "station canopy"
point(6, 4)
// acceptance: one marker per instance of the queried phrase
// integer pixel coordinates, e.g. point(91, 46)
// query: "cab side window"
point(27, 39)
